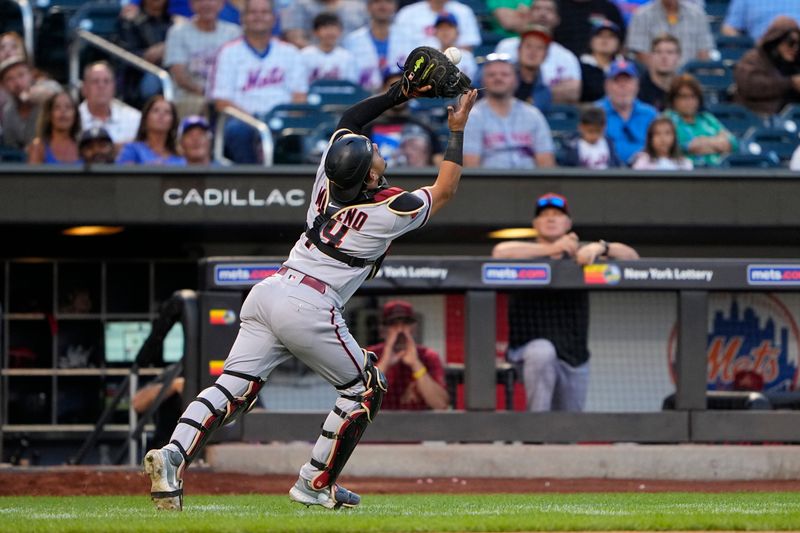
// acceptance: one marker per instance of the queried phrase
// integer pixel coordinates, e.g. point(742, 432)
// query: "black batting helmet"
point(347, 165)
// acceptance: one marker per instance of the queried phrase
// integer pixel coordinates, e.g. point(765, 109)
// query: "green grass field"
point(473, 512)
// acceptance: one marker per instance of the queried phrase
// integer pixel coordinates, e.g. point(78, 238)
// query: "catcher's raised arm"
point(443, 190)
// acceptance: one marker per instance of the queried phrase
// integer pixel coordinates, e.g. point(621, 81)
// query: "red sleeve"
point(433, 363)
point(388, 193)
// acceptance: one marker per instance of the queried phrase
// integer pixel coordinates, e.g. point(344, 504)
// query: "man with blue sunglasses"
point(549, 330)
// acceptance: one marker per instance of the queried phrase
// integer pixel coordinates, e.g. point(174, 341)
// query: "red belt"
point(314, 283)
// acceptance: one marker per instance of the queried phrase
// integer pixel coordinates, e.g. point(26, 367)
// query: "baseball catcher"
point(352, 219)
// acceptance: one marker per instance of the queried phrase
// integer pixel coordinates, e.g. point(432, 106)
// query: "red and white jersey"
point(363, 230)
point(257, 82)
point(338, 64)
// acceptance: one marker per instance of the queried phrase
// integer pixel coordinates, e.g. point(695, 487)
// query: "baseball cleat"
point(166, 487)
point(332, 497)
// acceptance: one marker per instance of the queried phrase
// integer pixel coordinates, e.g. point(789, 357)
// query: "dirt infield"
point(89, 481)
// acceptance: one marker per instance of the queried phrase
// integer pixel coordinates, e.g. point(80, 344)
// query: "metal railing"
point(181, 307)
point(263, 131)
point(26, 11)
point(83, 37)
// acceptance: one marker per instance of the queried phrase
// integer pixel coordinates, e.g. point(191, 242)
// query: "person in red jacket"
point(414, 372)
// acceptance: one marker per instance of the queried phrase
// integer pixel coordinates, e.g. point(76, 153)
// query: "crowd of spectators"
point(617, 67)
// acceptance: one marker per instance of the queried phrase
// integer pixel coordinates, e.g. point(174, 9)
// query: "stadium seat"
point(335, 95)
point(9, 154)
point(99, 17)
point(715, 77)
point(717, 9)
point(762, 140)
point(288, 148)
point(315, 142)
point(562, 118)
point(52, 43)
point(789, 118)
point(765, 160)
point(732, 48)
point(295, 117)
point(10, 17)
point(431, 110)
point(737, 118)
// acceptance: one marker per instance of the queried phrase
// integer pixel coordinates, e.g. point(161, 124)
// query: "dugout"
point(710, 298)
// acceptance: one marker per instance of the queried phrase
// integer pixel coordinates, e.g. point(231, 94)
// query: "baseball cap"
point(606, 24)
point(446, 18)
point(193, 121)
point(551, 199)
point(537, 31)
point(622, 66)
point(11, 62)
point(396, 309)
point(94, 134)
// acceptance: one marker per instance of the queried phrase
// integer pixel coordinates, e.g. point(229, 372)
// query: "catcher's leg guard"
point(358, 404)
point(232, 395)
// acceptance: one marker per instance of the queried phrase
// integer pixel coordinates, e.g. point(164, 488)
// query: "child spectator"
point(327, 60)
point(590, 148)
point(661, 152)
point(57, 131)
point(445, 33)
point(156, 140)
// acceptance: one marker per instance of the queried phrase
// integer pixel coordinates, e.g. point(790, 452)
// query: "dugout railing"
point(224, 281)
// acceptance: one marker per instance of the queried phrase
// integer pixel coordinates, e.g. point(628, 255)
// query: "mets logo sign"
point(516, 274)
point(753, 343)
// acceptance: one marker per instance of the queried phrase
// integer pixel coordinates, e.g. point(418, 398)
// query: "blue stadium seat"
point(316, 141)
point(732, 48)
point(715, 77)
point(764, 139)
point(99, 17)
point(288, 148)
point(717, 8)
point(335, 95)
point(765, 160)
point(562, 118)
point(10, 17)
point(304, 117)
point(737, 118)
point(789, 118)
point(431, 110)
point(9, 154)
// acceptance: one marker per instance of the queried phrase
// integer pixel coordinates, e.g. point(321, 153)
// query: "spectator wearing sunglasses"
point(549, 330)
point(628, 117)
point(768, 76)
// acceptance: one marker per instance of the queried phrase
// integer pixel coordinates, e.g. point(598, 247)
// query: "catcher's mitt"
point(428, 66)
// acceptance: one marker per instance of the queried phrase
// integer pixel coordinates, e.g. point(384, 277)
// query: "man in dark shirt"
point(577, 19)
point(549, 330)
point(665, 55)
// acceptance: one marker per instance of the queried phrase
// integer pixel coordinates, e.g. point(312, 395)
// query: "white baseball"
point(453, 54)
